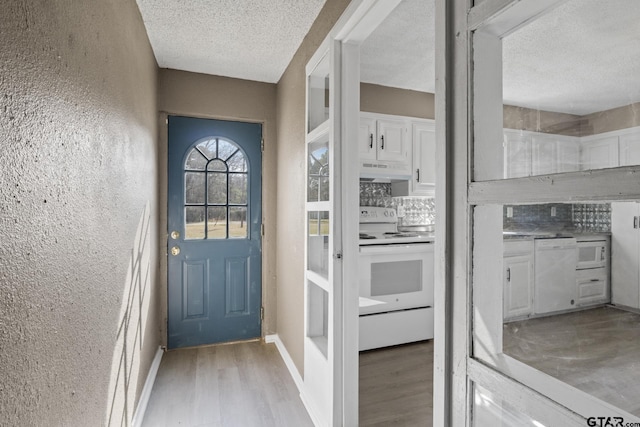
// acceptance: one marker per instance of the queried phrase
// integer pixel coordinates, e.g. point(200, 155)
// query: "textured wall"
point(201, 95)
point(78, 211)
point(291, 185)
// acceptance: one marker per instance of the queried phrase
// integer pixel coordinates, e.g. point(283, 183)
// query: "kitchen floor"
point(396, 385)
point(596, 350)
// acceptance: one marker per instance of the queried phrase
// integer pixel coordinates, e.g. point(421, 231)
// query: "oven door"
point(396, 277)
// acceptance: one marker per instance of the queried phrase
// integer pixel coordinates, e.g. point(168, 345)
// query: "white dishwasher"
point(555, 274)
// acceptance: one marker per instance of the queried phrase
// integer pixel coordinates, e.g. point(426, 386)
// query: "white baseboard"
point(138, 416)
point(288, 361)
point(293, 371)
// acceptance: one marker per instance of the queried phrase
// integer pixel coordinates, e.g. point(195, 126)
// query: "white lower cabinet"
point(592, 286)
point(517, 276)
point(518, 286)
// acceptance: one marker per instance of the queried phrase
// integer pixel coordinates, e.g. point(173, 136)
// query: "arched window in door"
point(215, 190)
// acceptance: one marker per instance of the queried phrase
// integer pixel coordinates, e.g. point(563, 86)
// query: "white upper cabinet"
point(517, 154)
point(599, 152)
point(424, 158)
point(544, 150)
point(384, 144)
point(393, 141)
point(630, 148)
point(367, 139)
point(568, 155)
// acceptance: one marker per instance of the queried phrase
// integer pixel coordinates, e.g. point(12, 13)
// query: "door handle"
point(509, 274)
point(370, 140)
point(382, 145)
point(175, 235)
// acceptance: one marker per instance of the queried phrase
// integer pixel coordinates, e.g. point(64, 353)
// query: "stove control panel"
point(369, 214)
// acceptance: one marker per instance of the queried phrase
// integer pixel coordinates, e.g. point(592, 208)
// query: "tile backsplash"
point(584, 217)
point(375, 194)
point(417, 210)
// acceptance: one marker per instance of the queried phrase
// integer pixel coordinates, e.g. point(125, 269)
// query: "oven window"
point(397, 277)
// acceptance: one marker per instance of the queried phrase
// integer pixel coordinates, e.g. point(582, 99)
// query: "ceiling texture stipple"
point(400, 52)
point(245, 39)
point(580, 58)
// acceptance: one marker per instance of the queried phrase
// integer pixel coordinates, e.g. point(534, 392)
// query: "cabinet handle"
point(635, 222)
point(509, 274)
point(371, 140)
point(602, 254)
point(418, 175)
point(382, 146)
point(595, 280)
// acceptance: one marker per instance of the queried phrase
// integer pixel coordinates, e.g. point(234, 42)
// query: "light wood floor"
point(597, 351)
point(396, 386)
point(241, 385)
point(248, 385)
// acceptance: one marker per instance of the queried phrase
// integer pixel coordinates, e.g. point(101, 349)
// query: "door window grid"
point(216, 188)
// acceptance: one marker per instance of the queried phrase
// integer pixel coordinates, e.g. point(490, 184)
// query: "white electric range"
point(396, 281)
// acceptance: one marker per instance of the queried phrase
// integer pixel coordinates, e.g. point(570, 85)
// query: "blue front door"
point(214, 225)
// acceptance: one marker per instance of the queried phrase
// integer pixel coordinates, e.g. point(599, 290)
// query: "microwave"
point(592, 254)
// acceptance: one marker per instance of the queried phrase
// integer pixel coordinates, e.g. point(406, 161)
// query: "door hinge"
point(262, 144)
point(261, 313)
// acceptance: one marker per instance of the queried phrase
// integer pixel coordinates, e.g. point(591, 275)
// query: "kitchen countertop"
point(578, 235)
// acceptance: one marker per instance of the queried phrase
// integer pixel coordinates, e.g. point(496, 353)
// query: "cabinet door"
point(544, 151)
point(600, 153)
point(592, 286)
point(424, 158)
point(630, 149)
point(568, 156)
point(625, 289)
point(517, 154)
point(393, 143)
point(367, 139)
point(518, 286)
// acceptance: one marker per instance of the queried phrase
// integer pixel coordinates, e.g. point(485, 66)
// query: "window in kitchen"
point(555, 269)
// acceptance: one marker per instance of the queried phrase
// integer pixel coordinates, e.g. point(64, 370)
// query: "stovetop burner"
point(366, 236)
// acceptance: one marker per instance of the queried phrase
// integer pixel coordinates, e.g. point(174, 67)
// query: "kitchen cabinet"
point(630, 148)
point(592, 286)
point(517, 154)
point(424, 158)
point(599, 152)
point(384, 139)
point(367, 139)
point(518, 270)
point(533, 153)
point(625, 254)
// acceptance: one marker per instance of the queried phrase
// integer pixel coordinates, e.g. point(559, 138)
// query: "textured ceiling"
point(400, 52)
point(581, 57)
point(246, 39)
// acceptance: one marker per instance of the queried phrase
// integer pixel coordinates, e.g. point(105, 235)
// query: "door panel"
point(214, 220)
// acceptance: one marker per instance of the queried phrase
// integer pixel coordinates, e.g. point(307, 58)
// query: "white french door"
point(519, 76)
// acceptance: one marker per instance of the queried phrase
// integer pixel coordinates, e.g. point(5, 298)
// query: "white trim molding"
point(293, 371)
point(141, 408)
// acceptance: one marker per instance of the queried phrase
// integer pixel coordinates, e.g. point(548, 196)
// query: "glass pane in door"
point(570, 96)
